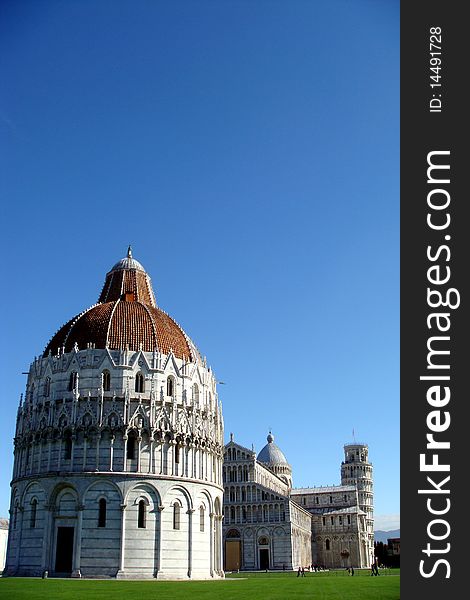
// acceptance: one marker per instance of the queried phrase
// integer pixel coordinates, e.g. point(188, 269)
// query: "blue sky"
point(249, 152)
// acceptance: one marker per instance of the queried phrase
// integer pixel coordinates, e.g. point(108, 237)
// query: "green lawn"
point(266, 586)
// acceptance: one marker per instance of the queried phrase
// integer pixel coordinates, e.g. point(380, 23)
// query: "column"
point(151, 451)
point(123, 542)
point(73, 438)
point(85, 446)
point(47, 545)
point(219, 543)
point(182, 456)
point(15, 461)
point(19, 528)
point(139, 450)
point(190, 541)
point(31, 468)
point(175, 452)
point(49, 450)
point(171, 456)
point(211, 530)
point(111, 451)
point(160, 454)
point(22, 461)
point(360, 546)
point(40, 456)
point(124, 442)
point(98, 440)
point(59, 455)
point(78, 543)
point(159, 542)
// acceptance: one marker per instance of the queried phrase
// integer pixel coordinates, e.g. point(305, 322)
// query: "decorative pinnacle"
point(129, 251)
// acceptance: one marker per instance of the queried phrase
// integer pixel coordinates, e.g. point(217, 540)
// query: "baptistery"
point(119, 446)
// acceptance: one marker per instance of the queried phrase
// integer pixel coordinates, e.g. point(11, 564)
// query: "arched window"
point(139, 382)
point(73, 381)
point(15, 515)
point(34, 506)
point(67, 445)
point(201, 519)
point(176, 515)
point(233, 533)
point(130, 446)
point(170, 386)
point(142, 515)
point(327, 544)
point(47, 387)
point(106, 378)
point(102, 513)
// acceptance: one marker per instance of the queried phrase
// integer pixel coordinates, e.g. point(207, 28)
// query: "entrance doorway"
point(64, 551)
point(232, 555)
point(264, 558)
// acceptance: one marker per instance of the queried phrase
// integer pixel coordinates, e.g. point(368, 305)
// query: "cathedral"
point(120, 468)
point(118, 448)
point(268, 524)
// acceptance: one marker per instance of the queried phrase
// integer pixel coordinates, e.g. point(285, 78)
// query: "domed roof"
point(128, 263)
point(126, 316)
point(271, 454)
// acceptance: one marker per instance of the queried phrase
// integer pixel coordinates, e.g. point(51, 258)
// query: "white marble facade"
point(119, 466)
point(118, 463)
point(263, 527)
point(268, 524)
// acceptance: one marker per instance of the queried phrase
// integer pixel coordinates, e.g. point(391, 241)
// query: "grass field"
point(266, 586)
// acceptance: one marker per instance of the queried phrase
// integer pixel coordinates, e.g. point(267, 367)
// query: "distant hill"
point(382, 536)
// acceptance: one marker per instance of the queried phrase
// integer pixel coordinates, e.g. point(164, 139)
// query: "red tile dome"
point(125, 317)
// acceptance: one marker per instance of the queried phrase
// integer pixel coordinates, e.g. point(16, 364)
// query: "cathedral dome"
point(120, 419)
point(126, 317)
point(271, 454)
point(128, 263)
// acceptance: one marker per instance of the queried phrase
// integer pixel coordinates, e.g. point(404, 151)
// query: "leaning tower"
point(357, 470)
